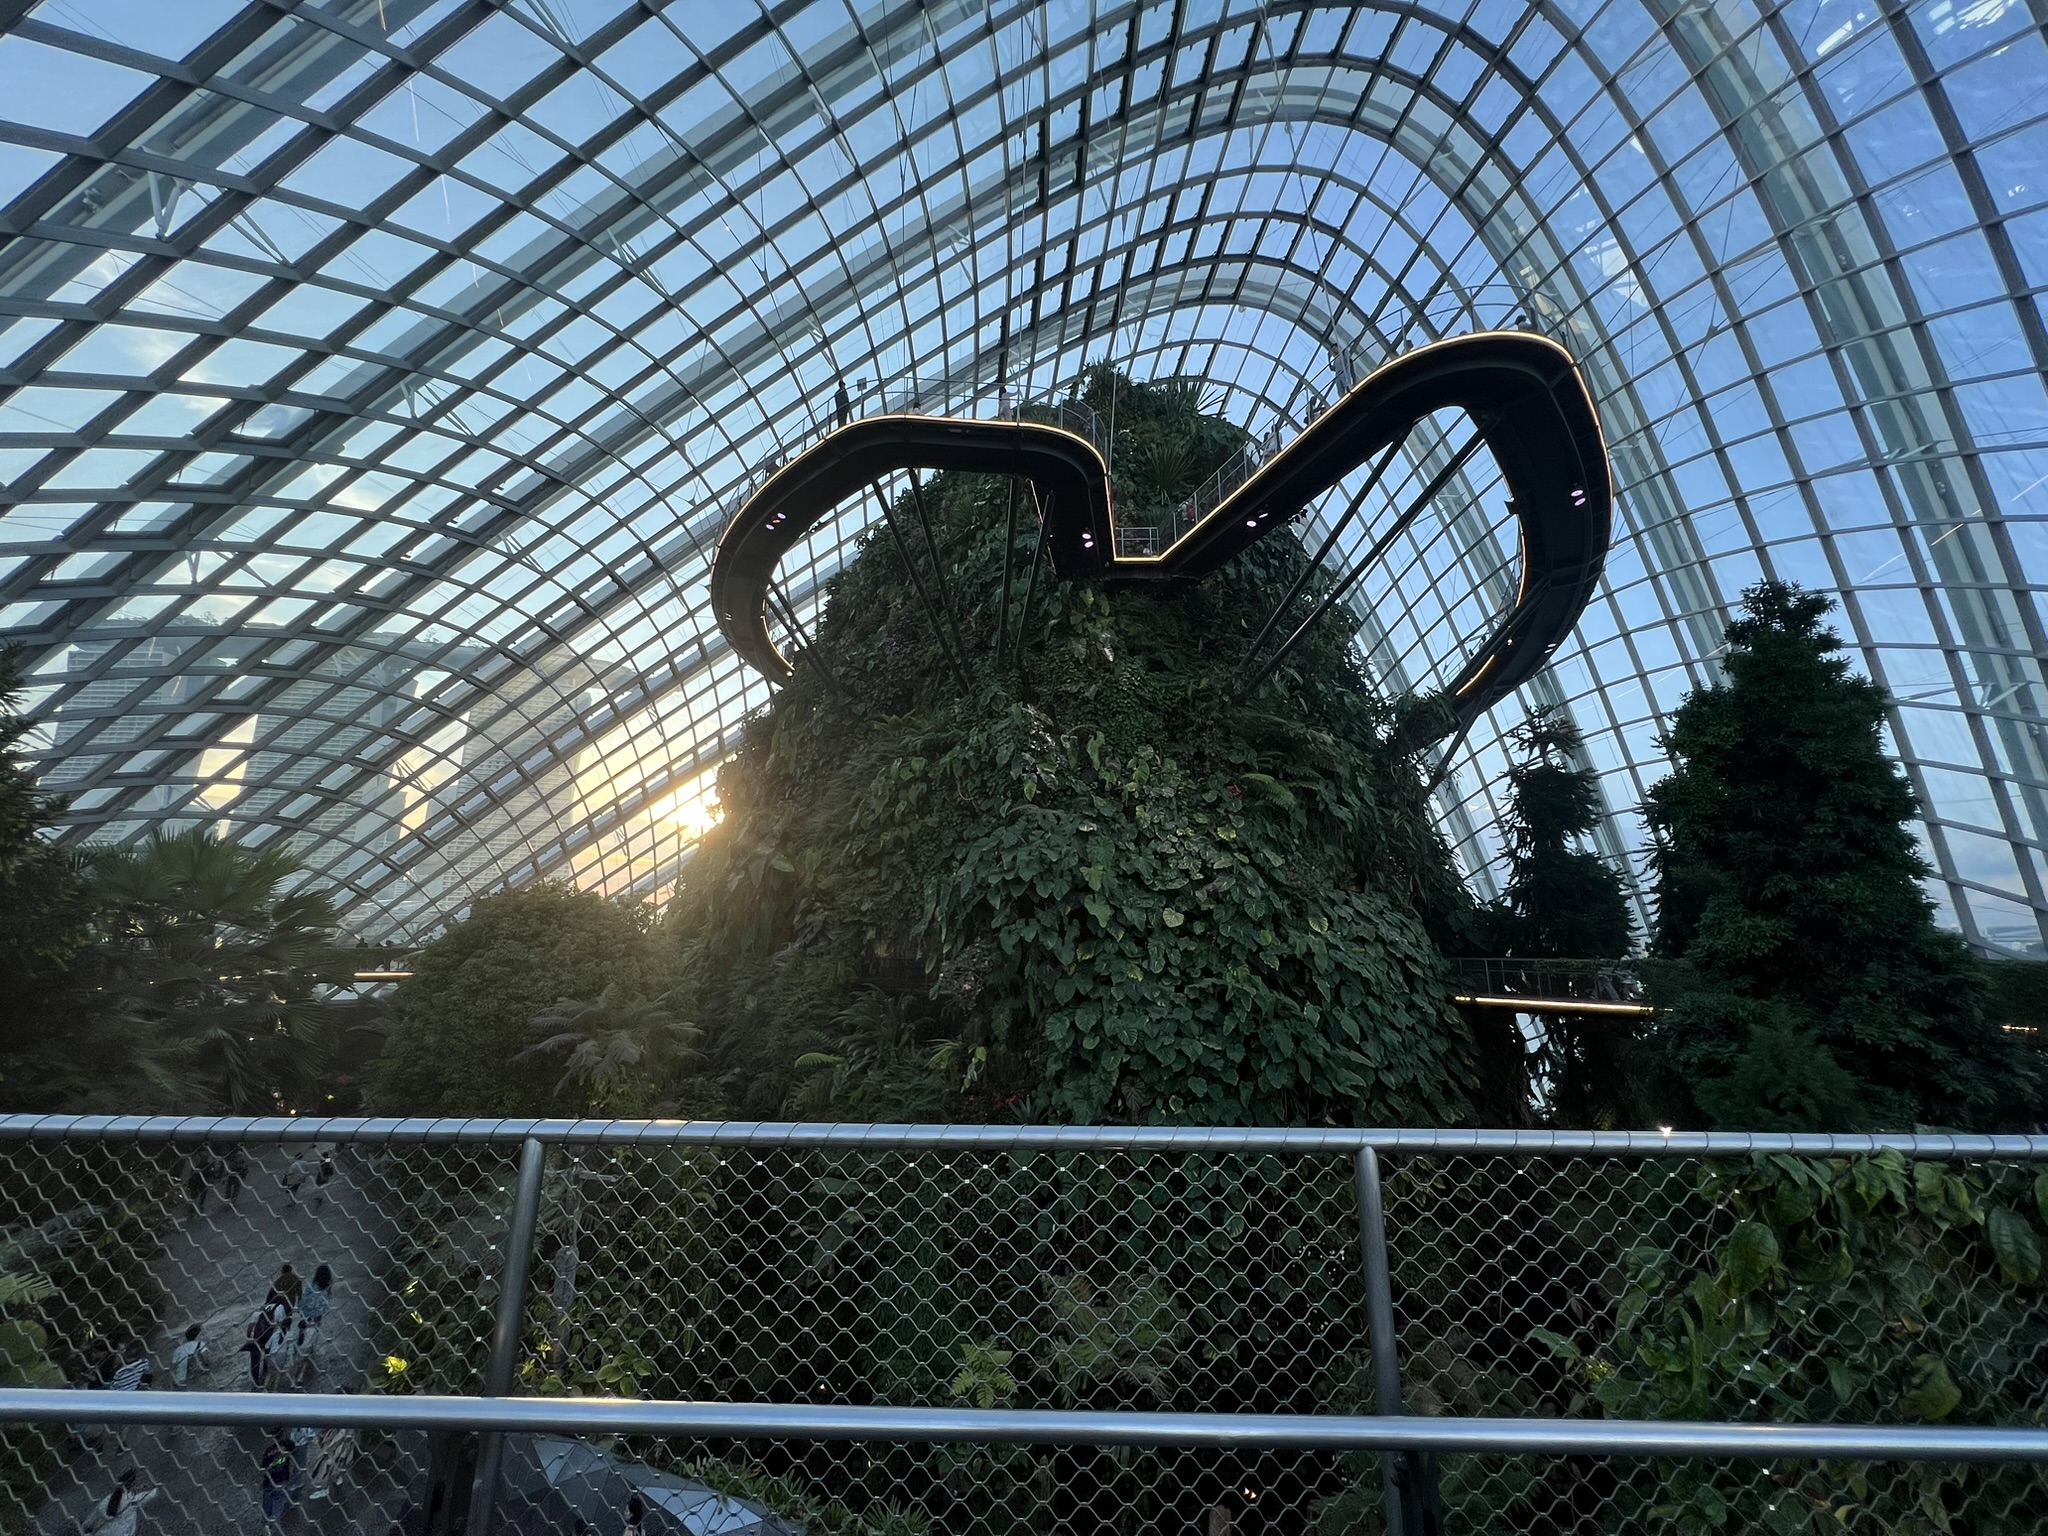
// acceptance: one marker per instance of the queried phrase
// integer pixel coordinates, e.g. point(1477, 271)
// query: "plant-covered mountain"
point(1092, 885)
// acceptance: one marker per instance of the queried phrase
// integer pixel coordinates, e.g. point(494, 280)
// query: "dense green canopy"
point(1095, 884)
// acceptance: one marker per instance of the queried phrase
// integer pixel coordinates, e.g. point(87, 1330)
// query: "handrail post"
point(533, 1155)
point(1411, 1504)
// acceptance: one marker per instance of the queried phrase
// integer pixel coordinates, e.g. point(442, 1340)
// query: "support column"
point(505, 1337)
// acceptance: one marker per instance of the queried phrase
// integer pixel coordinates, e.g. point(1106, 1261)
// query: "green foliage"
point(1816, 992)
point(1561, 901)
point(1854, 1290)
point(183, 973)
point(216, 955)
point(1094, 886)
point(45, 912)
point(625, 1237)
point(2016, 992)
point(616, 1050)
point(467, 1012)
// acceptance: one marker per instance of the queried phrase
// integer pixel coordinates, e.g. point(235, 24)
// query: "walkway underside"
point(1522, 393)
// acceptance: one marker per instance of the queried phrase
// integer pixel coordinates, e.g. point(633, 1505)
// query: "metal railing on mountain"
point(1589, 987)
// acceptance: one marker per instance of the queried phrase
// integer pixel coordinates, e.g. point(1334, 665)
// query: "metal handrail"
point(954, 396)
point(1231, 1431)
point(1305, 1141)
point(1405, 1441)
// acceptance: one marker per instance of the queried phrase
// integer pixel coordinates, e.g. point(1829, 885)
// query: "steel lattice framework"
point(376, 374)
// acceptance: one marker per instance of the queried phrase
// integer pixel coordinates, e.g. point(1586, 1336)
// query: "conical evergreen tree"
point(1816, 993)
point(1564, 902)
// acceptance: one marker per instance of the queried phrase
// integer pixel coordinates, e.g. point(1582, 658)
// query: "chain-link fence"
point(1581, 1278)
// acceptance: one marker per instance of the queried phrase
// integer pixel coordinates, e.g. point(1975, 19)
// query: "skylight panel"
point(63, 92)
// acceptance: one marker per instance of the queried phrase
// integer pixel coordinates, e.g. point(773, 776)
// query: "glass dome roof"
point(376, 375)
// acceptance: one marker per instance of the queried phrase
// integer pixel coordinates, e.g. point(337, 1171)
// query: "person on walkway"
point(296, 1172)
point(336, 1453)
point(275, 1467)
point(636, 1516)
point(199, 1175)
point(322, 1178)
point(313, 1308)
point(237, 1171)
point(288, 1287)
point(256, 1344)
point(278, 1347)
point(842, 405)
point(125, 1374)
point(303, 1439)
point(1005, 411)
point(122, 1513)
point(190, 1358)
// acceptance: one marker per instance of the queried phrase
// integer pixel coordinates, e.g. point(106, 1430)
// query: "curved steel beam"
point(1522, 392)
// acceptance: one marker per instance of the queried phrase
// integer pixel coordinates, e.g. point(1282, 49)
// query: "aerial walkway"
point(1523, 394)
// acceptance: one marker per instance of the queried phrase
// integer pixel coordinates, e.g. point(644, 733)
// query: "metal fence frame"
point(1407, 1443)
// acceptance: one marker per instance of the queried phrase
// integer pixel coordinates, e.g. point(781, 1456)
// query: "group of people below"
point(220, 1173)
point(224, 1172)
point(282, 1341)
point(301, 1462)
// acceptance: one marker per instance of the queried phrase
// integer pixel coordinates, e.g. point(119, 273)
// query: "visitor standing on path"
point(331, 1461)
point(190, 1358)
point(124, 1374)
point(201, 1170)
point(842, 405)
point(277, 1349)
point(274, 1468)
point(258, 1343)
point(296, 1172)
point(288, 1287)
point(313, 1309)
point(121, 1515)
point(237, 1171)
point(322, 1178)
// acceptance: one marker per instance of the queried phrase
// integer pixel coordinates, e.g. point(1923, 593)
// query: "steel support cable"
point(1009, 561)
point(924, 597)
point(1323, 553)
point(1031, 587)
point(1443, 764)
point(931, 545)
point(806, 646)
point(1380, 546)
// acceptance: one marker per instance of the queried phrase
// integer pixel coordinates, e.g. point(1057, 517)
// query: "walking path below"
point(217, 1266)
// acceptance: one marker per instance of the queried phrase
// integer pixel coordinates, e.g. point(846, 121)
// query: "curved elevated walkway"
point(1523, 393)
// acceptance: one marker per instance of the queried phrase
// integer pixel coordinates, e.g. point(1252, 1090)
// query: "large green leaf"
point(2014, 1243)
point(1751, 1257)
point(1934, 1394)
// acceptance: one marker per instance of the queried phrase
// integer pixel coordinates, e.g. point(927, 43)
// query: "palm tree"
point(218, 957)
point(621, 1050)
